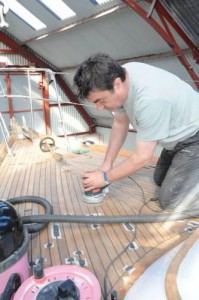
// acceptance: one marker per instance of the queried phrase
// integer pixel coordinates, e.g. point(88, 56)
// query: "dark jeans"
point(177, 172)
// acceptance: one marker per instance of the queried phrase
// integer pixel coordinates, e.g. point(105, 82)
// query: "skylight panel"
point(96, 2)
point(25, 15)
point(59, 8)
point(102, 1)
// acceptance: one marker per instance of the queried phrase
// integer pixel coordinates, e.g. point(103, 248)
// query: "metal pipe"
point(31, 105)
point(63, 124)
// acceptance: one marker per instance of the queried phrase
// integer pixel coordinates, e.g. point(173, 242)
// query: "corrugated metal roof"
point(186, 13)
point(82, 9)
point(121, 34)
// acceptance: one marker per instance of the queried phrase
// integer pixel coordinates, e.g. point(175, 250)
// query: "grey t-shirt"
point(160, 106)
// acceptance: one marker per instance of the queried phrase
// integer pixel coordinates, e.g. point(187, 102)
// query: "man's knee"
point(162, 166)
point(166, 201)
point(157, 179)
point(182, 199)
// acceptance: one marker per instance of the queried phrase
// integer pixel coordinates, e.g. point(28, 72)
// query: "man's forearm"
point(118, 135)
point(125, 168)
point(135, 162)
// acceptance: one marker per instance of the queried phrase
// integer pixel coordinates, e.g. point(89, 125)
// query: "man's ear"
point(117, 83)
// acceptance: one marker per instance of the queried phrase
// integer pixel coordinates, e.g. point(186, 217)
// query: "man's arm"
point(141, 157)
point(118, 135)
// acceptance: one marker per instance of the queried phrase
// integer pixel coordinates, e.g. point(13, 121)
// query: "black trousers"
point(177, 173)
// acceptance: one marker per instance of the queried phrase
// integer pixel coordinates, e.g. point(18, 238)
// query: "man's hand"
point(93, 180)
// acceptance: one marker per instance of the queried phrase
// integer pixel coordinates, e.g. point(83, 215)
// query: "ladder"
point(5, 134)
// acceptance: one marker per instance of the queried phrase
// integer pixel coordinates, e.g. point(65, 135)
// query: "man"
point(162, 109)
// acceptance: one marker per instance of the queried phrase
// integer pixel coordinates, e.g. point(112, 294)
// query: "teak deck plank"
point(103, 249)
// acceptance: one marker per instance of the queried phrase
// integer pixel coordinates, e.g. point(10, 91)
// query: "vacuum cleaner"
point(13, 250)
point(66, 282)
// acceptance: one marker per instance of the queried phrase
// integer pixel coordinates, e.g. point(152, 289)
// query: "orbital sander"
point(96, 196)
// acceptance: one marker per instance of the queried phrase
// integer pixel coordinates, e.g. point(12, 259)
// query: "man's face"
point(108, 99)
point(103, 99)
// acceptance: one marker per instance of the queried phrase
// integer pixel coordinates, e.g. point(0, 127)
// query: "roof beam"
point(27, 53)
point(165, 33)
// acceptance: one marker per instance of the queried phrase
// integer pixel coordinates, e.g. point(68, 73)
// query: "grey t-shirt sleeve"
point(153, 121)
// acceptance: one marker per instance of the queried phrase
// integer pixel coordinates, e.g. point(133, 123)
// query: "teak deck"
point(116, 253)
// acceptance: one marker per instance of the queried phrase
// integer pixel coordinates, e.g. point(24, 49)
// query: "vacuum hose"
point(32, 228)
point(42, 220)
point(164, 217)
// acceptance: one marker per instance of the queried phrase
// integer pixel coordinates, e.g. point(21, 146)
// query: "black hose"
point(32, 228)
point(164, 217)
point(12, 286)
point(43, 220)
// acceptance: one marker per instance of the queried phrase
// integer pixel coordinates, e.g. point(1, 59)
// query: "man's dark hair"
point(97, 72)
